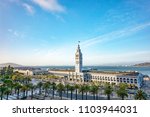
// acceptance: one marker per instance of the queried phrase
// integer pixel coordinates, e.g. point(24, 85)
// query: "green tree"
point(122, 91)
point(108, 90)
point(28, 88)
point(18, 87)
point(31, 87)
point(23, 89)
point(140, 95)
point(60, 89)
point(82, 90)
point(39, 85)
point(71, 88)
point(76, 86)
point(9, 83)
point(94, 90)
point(2, 90)
point(67, 88)
point(46, 86)
point(86, 89)
point(7, 92)
point(53, 88)
point(9, 70)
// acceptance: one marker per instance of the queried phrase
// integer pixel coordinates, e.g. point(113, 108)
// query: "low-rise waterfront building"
point(25, 72)
point(29, 71)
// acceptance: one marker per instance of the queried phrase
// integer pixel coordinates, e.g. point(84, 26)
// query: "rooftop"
point(129, 73)
point(62, 70)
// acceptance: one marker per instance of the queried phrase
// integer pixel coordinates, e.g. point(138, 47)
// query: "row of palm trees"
point(19, 84)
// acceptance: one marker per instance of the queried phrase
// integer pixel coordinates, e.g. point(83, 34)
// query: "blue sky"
point(46, 32)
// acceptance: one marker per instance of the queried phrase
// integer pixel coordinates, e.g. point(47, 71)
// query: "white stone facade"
point(78, 60)
point(116, 78)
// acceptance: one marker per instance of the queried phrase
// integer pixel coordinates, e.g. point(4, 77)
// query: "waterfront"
point(143, 70)
point(15, 85)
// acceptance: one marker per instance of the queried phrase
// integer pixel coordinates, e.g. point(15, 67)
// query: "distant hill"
point(11, 64)
point(146, 64)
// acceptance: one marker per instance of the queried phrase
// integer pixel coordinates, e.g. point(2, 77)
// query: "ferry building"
point(79, 75)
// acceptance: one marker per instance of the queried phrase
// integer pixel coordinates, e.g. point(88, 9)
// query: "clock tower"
point(78, 60)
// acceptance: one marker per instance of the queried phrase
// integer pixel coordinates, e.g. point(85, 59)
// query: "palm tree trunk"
point(2, 95)
point(45, 92)
point(40, 91)
point(96, 96)
point(93, 96)
point(53, 93)
point(7, 96)
point(122, 97)
point(76, 94)
point(82, 95)
point(86, 95)
point(27, 93)
point(108, 97)
point(32, 94)
point(61, 95)
point(67, 92)
point(71, 94)
point(24, 93)
point(18, 94)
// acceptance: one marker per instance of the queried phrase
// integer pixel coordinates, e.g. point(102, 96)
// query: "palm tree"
point(2, 90)
point(60, 88)
point(18, 87)
point(32, 87)
point(24, 88)
point(28, 88)
point(9, 70)
point(67, 88)
point(122, 91)
point(76, 86)
point(82, 90)
point(140, 95)
point(39, 85)
point(108, 90)
point(87, 89)
point(94, 90)
point(7, 92)
point(8, 83)
point(28, 79)
point(71, 88)
point(54, 88)
point(46, 86)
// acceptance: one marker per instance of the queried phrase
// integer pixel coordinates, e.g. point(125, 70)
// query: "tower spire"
point(78, 59)
point(78, 42)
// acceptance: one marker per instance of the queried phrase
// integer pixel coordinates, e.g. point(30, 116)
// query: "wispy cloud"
point(50, 5)
point(16, 34)
point(115, 35)
point(28, 8)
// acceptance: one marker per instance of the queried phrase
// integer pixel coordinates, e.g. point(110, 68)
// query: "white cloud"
point(50, 5)
point(114, 35)
point(28, 7)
